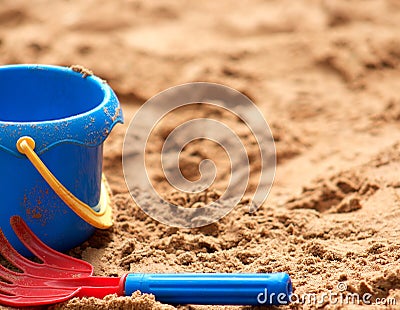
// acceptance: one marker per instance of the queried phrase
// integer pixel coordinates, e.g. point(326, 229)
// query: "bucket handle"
point(101, 219)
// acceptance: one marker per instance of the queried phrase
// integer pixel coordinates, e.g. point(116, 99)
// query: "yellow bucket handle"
point(101, 219)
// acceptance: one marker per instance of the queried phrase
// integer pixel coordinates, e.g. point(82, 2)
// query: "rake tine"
point(21, 301)
point(32, 268)
point(45, 253)
point(10, 276)
point(11, 255)
point(35, 291)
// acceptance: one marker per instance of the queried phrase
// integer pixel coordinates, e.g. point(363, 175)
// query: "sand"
point(326, 76)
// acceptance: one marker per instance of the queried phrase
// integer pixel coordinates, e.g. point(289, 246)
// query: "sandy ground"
point(325, 74)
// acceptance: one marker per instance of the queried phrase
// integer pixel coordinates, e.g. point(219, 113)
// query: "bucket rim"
point(91, 127)
point(106, 90)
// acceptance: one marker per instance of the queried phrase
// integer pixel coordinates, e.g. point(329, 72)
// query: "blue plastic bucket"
point(69, 115)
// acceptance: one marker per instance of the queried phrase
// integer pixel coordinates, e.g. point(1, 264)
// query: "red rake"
point(60, 277)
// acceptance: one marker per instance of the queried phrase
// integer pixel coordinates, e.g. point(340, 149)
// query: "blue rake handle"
point(213, 288)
